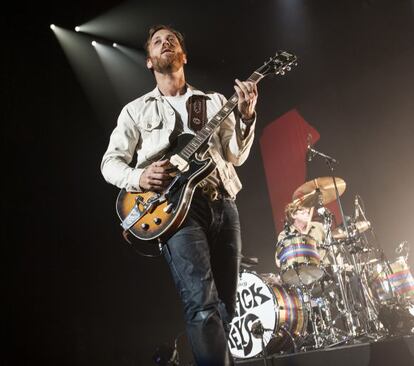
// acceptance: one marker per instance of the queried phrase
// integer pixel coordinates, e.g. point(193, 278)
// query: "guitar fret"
point(187, 151)
point(203, 135)
point(231, 103)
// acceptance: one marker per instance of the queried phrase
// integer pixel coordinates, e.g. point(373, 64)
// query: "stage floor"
point(397, 351)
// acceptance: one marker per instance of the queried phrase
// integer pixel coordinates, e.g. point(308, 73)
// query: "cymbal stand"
point(384, 259)
point(351, 321)
point(369, 312)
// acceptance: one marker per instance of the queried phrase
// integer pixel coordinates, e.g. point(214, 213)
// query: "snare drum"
point(278, 310)
point(299, 258)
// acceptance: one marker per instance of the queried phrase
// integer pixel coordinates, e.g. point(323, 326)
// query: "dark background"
point(77, 294)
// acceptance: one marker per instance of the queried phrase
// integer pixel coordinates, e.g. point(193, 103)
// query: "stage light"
point(52, 27)
point(77, 28)
point(94, 43)
point(115, 44)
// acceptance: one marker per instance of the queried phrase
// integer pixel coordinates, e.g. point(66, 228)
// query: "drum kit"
point(326, 293)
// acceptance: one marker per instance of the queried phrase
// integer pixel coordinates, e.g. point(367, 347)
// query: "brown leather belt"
point(214, 193)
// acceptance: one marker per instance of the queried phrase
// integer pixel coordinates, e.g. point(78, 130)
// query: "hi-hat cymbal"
point(318, 191)
point(360, 226)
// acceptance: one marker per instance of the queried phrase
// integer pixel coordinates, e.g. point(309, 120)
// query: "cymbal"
point(360, 226)
point(308, 193)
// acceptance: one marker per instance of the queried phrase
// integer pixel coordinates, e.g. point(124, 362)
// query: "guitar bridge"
point(136, 213)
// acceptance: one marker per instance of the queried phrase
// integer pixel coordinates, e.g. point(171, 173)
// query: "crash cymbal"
point(319, 190)
point(361, 226)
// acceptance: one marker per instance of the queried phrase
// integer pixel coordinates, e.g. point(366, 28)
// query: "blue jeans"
point(204, 258)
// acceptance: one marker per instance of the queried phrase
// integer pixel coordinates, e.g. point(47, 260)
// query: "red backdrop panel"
point(283, 146)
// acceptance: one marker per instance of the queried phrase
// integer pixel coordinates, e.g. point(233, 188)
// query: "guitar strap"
point(197, 112)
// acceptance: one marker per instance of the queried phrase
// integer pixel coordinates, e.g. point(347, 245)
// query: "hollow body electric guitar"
point(156, 215)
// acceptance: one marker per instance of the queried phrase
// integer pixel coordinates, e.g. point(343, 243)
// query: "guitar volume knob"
point(168, 208)
point(144, 226)
point(157, 220)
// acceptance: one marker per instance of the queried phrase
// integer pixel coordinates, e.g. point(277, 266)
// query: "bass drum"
point(276, 310)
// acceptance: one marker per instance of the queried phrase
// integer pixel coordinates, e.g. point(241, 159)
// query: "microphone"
point(356, 204)
point(257, 329)
point(309, 153)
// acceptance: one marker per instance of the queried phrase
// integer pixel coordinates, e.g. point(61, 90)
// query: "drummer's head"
point(295, 212)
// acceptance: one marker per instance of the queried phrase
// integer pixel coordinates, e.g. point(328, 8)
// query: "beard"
point(168, 62)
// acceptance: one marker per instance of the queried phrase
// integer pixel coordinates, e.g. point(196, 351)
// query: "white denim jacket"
point(144, 127)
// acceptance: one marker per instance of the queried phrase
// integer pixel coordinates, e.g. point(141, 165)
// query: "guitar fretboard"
point(204, 134)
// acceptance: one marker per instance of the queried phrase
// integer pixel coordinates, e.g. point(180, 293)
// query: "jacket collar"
point(155, 94)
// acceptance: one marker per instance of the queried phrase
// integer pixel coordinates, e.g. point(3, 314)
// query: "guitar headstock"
point(279, 64)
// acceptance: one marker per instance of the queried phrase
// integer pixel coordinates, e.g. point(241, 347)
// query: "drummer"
point(298, 220)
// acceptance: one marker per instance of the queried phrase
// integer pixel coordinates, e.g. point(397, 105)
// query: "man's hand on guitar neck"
point(247, 93)
point(156, 176)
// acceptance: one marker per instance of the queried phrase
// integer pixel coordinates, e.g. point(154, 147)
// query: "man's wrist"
point(248, 121)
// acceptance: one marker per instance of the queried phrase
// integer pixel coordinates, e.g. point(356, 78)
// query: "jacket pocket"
point(150, 125)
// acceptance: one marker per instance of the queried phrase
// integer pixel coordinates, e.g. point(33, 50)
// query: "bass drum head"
point(279, 310)
point(255, 302)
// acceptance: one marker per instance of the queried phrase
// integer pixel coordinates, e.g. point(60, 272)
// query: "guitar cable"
point(142, 254)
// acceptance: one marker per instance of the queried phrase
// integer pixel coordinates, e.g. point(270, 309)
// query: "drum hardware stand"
point(370, 314)
point(295, 347)
point(384, 259)
point(372, 310)
point(330, 332)
point(327, 216)
point(349, 314)
point(306, 295)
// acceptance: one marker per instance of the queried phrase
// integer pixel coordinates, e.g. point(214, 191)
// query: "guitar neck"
point(204, 134)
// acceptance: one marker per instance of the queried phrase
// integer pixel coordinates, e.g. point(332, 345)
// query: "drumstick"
point(309, 220)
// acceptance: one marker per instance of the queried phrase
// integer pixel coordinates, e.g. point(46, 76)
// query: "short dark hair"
point(155, 28)
point(290, 209)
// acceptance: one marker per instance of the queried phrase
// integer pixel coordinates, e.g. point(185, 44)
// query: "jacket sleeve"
point(234, 140)
point(120, 152)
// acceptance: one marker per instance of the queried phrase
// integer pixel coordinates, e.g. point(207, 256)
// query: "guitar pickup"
point(179, 163)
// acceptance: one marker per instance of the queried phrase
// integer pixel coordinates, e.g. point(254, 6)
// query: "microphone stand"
point(329, 161)
point(258, 330)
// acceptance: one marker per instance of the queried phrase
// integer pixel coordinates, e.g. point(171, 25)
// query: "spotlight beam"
point(106, 41)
